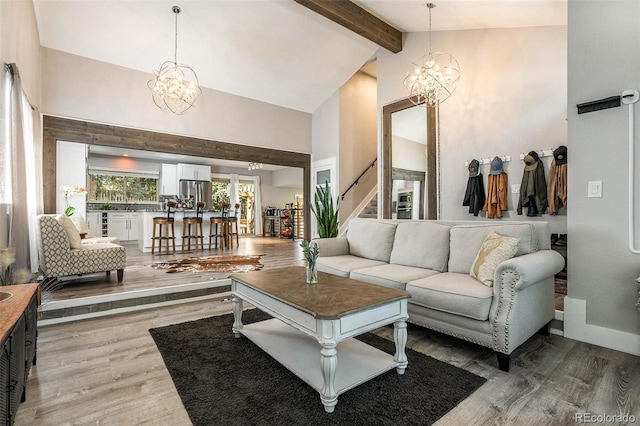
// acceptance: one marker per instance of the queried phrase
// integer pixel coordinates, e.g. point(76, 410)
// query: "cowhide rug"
point(222, 263)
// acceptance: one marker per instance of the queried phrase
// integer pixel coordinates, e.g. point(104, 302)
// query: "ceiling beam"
point(358, 20)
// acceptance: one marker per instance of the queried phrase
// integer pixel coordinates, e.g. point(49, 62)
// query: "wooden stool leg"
point(173, 239)
point(184, 228)
point(153, 240)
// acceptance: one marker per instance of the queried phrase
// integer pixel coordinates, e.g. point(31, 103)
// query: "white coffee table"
point(322, 319)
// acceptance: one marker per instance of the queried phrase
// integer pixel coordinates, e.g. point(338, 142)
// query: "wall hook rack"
point(541, 153)
point(504, 158)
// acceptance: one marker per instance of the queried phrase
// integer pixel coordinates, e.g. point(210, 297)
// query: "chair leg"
point(120, 275)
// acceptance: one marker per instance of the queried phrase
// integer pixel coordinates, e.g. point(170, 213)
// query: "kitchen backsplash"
point(123, 206)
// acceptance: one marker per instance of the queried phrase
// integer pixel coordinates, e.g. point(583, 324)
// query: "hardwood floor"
point(108, 370)
point(138, 275)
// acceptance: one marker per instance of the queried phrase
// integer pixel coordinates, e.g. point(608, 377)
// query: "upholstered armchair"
point(61, 253)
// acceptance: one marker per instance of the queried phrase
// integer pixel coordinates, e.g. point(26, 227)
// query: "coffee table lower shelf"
point(300, 353)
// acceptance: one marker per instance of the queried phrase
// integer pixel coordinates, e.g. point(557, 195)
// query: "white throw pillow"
point(80, 223)
point(494, 250)
point(71, 230)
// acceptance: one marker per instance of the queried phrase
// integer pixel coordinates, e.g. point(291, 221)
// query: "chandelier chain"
point(176, 10)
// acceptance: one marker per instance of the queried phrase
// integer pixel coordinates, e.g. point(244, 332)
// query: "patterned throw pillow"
point(494, 250)
point(71, 230)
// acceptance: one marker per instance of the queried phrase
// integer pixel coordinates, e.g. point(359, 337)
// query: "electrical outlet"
point(515, 189)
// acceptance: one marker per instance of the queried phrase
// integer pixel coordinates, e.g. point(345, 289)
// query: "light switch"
point(515, 189)
point(595, 189)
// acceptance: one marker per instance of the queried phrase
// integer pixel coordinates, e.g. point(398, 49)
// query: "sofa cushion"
point(454, 293)
point(371, 239)
point(101, 240)
point(494, 250)
point(70, 229)
point(421, 244)
point(343, 265)
point(466, 241)
point(392, 276)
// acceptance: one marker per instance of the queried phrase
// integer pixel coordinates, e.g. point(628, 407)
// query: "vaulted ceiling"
point(276, 51)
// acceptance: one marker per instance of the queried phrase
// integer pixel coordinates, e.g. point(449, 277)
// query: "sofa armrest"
point(531, 268)
point(333, 246)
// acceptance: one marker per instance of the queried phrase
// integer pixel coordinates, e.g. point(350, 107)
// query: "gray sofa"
point(432, 261)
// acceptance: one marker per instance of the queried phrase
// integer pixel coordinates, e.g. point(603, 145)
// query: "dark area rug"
point(223, 263)
point(227, 381)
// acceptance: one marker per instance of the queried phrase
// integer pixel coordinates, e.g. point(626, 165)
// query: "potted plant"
point(311, 252)
point(325, 213)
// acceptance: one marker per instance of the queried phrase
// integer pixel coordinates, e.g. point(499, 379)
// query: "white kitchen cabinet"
point(94, 221)
point(193, 172)
point(124, 225)
point(135, 219)
point(168, 179)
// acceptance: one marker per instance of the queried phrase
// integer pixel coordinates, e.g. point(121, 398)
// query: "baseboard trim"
point(577, 328)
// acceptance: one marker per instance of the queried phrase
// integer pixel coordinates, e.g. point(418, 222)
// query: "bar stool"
point(218, 231)
point(232, 229)
point(197, 233)
point(167, 222)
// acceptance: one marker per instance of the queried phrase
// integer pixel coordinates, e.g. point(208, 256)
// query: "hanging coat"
point(557, 186)
point(496, 195)
point(533, 191)
point(474, 195)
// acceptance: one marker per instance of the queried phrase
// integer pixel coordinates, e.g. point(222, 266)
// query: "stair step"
point(368, 216)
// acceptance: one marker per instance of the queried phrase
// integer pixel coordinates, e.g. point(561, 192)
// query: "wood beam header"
point(358, 20)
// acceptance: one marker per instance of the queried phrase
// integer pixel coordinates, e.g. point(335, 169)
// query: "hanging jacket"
point(557, 187)
point(474, 195)
point(496, 195)
point(533, 191)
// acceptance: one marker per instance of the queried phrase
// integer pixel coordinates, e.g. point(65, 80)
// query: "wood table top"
point(331, 298)
point(11, 309)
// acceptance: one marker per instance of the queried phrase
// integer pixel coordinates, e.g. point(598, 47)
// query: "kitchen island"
point(146, 228)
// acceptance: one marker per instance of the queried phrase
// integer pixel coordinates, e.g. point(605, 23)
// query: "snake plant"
point(325, 213)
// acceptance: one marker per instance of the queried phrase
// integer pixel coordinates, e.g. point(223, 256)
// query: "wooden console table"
point(18, 318)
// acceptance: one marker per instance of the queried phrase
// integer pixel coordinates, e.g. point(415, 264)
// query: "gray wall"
point(511, 99)
point(20, 44)
point(604, 60)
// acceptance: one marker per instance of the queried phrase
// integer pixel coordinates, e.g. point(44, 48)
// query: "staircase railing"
point(355, 182)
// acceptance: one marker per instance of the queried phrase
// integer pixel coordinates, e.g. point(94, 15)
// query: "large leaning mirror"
point(409, 161)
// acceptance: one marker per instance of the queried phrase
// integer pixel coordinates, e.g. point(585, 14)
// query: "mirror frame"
point(431, 175)
point(72, 130)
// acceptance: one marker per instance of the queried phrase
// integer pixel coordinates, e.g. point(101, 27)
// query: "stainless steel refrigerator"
point(198, 190)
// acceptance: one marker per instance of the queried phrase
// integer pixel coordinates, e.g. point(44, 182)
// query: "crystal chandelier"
point(254, 166)
point(175, 86)
point(434, 78)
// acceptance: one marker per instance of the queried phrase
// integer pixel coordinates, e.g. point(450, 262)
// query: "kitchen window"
point(121, 187)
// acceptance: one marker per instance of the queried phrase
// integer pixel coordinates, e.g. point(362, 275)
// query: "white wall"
point(511, 99)
point(358, 133)
point(291, 178)
point(71, 168)
point(87, 89)
point(326, 129)
point(277, 196)
point(408, 154)
point(604, 60)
